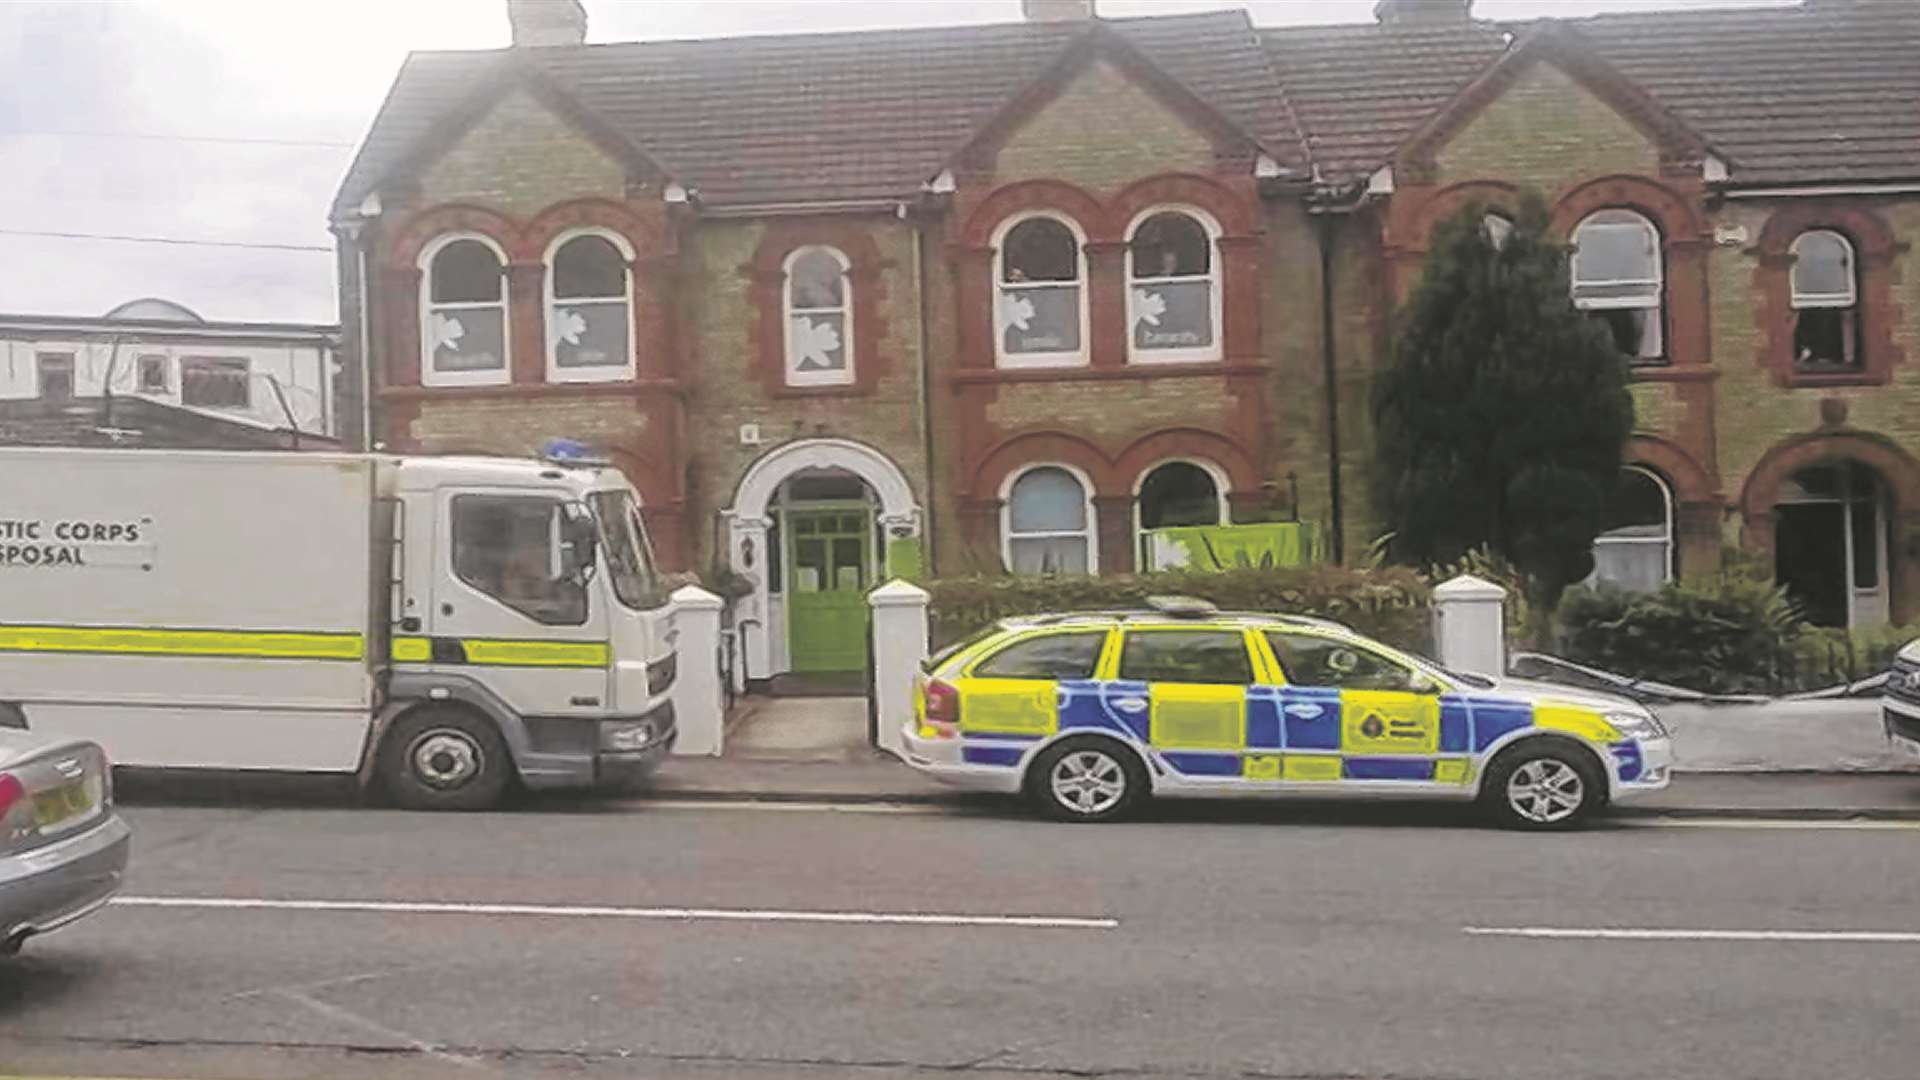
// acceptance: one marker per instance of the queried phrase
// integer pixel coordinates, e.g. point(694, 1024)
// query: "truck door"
point(513, 604)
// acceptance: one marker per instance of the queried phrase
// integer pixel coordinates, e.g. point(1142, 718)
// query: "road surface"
point(690, 940)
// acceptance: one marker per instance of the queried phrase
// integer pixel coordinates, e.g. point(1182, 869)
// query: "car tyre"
point(1543, 785)
point(1086, 780)
point(444, 758)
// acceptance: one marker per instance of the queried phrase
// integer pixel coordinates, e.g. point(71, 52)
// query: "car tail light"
point(943, 709)
point(12, 791)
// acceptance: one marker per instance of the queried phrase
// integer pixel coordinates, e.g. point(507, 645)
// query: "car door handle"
point(1130, 704)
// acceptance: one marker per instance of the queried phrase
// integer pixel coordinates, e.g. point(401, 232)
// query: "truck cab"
point(529, 630)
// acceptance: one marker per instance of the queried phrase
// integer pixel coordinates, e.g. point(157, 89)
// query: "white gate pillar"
point(699, 704)
point(899, 645)
point(1469, 625)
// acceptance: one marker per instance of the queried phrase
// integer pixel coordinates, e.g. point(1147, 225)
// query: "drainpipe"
point(1329, 368)
point(926, 389)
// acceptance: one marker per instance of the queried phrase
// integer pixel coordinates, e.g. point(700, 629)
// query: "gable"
point(1103, 130)
point(522, 157)
point(1548, 131)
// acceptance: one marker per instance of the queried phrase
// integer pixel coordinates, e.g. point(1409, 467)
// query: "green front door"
point(829, 553)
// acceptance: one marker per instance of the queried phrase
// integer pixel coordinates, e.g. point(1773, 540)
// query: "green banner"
point(1232, 547)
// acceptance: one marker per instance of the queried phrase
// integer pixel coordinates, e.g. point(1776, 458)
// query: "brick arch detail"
point(1442, 204)
point(767, 278)
point(1030, 195)
point(1670, 211)
point(1690, 482)
point(1232, 211)
point(403, 248)
point(1183, 444)
point(648, 235)
point(1027, 448)
point(1874, 245)
point(1896, 467)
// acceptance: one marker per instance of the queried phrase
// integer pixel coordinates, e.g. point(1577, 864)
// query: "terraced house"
point(1007, 297)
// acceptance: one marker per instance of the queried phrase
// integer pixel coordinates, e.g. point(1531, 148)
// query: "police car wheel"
point(1086, 780)
point(1547, 786)
point(440, 758)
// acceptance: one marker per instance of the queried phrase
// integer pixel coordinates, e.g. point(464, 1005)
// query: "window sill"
point(821, 390)
point(1657, 373)
point(1814, 378)
point(1187, 370)
point(634, 387)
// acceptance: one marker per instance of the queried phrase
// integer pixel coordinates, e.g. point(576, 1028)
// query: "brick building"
point(1002, 296)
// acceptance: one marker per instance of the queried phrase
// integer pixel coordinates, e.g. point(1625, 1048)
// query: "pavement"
point(675, 939)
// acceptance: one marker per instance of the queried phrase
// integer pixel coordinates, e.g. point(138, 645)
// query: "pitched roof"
point(818, 117)
point(1817, 93)
point(1788, 94)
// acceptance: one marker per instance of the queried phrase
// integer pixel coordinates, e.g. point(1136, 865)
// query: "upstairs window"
point(1048, 523)
point(464, 318)
point(1040, 303)
point(1826, 302)
point(1618, 280)
point(819, 312)
point(1173, 288)
point(589, 310)
point(153, 374)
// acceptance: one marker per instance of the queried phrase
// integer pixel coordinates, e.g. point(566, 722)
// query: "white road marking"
point(792, 807)
point(1649, 934)
point(675, 914)
point(1872, 824)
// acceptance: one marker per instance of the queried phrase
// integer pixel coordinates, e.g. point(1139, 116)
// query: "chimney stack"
point(547, 22)
point(1422, 12)
point(1056, 10)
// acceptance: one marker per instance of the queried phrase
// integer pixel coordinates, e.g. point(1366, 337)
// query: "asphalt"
point(1204, 941)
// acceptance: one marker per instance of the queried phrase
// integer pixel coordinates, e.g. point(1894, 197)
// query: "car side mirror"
point(1423, 684)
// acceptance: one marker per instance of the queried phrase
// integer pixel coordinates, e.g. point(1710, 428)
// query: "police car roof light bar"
point(1183, 607)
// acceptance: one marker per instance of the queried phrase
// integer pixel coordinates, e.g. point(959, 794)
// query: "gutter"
point(1324, 230)
point(926, 387)
point(829, 206)
point(1820, 190)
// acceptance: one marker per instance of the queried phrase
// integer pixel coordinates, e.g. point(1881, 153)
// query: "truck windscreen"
point(629, 560)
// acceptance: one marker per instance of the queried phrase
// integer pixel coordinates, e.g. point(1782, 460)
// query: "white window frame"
point(794, 376)
point(1090, 532)
point(550, 305)
point(1802, 301)
point(429, 376)
point(1665, 539)
point(1655, 301)
point(1005, 359)
point(1204, 354)
point(1219, 475)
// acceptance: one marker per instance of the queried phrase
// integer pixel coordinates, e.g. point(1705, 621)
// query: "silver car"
point(62, 848)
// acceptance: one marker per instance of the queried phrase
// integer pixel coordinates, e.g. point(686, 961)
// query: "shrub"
point(1732, 633)
point(1389, 603)
point(1826, 656)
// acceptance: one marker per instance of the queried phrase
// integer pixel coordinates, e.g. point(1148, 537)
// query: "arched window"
point(1173, 288)
point(819, 318)
point(1047, 523)
point(463, 323)
point(1618, 279)
point(1172, 495)
point(589, 309)
point(1635, 550)
point(1826, 299)
point(1040, 311)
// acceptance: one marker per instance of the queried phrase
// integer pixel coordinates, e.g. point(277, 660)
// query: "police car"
point(1089, 713)
point(1900, 703)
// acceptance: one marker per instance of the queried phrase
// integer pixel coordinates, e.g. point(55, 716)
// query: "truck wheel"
point(440, 758)
point(1086, 779)
point(1542, 784)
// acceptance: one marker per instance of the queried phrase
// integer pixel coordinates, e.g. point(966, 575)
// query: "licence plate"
point(64, 803)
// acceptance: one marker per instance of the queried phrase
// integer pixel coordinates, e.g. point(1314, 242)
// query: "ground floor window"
point(1635, 550)
point(1048, 523)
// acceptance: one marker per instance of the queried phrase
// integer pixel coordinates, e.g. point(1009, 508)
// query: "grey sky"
point(315, 71)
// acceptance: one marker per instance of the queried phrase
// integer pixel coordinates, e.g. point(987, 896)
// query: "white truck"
point(436, 626)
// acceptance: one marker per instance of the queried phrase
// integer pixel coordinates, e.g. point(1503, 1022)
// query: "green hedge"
point(1733, 633)
point(1389, 603)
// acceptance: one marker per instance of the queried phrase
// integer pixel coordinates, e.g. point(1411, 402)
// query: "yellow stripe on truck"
point(156, 641)
point(536, 653)
point(412, 650)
